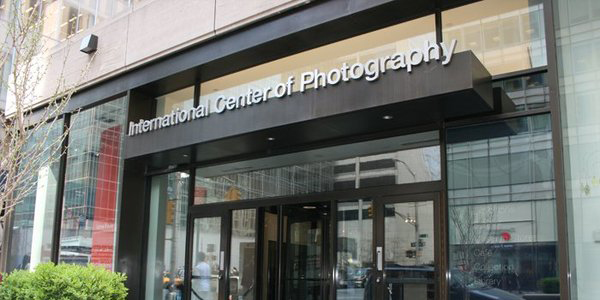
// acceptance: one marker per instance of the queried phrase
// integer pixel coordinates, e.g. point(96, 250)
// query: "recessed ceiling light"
point(185, 155)
point(387, 117)
point(309, 207)
point(270, 138)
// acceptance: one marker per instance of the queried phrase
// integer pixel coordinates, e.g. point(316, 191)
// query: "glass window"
point(166, 236)
point(387, 41)
point(32, 222)
point(68, 20)
point(506, 35)
point(527, 92)
point(365, 164)
point(355, 249)
point(409, 265)
point(181, 99)
point(63, 19)
point(91, 197)
point(268, 270)
point(577, 31)
point(243, 255)
point(502, 230)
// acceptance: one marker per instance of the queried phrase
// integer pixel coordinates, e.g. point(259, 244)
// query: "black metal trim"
point(300, 148)
point(260, 235)
point(188, 236)
point(400, 189)
point(60, 190)
point(280, 269)
point(442, 222)
point(145, 238)
point(562, 211)
point(496, 117)
point(520, 73)
point(333, 248)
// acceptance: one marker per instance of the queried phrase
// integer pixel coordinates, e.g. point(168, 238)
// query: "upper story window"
point(359, 49)
point(64, 18)
point(506, 35)
point(182, 99)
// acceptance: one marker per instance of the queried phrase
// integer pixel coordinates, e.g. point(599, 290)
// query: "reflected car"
point(463, 285)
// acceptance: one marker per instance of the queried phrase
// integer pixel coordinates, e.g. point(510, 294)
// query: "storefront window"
point(527, 92)
point(578, 52)
point(379, 43)
point(243, 255)
point(32, 223)
point(351, 166)
point(166, 236)
point(502, 210)
point(91, 197)
point(506, 35)
point(354, 260)
point(181, 99)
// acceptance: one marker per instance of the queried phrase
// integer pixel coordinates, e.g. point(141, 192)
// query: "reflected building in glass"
point(402, 150)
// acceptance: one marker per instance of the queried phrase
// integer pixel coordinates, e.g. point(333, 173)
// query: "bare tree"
point(32, 130)
point(474, 227)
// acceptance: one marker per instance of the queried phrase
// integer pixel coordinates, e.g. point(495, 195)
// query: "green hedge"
point(550, 285)
point(65, 282)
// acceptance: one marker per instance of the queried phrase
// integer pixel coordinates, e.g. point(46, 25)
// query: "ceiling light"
point(387, 117)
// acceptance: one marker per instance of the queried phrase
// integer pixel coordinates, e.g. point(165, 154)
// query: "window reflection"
point(335, 168)
point(243, 255)
point(181, 99)
point(501, 206)
point(93, 171)
point(32, 221)
point(527, 92)
point(167, 236)
point(506, 35)
point(355, 249)
point(387, 41)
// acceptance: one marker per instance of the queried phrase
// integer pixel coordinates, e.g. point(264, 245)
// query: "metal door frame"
point(379, 203)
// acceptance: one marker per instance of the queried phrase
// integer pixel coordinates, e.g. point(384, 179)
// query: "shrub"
point(550, 285)
point(63, 281)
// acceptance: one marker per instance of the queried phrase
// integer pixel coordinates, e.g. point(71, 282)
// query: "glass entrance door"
point(207, 259)
point(405, 249)
point(305, 251)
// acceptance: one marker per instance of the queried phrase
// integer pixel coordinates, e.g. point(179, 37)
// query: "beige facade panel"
point(108, 59)
point(150, 30)
point(162, 26)
point(230, 14)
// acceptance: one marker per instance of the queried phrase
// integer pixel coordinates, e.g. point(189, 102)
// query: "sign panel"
point(371, 70)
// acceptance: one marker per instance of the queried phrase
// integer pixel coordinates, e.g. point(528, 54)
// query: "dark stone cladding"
point(431, 93)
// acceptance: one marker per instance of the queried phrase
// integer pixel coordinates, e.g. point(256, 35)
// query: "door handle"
point(379, 258)
point(222, 261)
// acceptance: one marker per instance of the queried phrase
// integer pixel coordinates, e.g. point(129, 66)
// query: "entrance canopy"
point(431, 93)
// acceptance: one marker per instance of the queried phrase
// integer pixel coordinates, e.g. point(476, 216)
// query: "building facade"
point(326, 149)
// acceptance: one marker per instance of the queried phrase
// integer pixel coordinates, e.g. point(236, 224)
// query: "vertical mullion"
point(226, 232)
point(196, 94)
point(438, 22)
point(259, 249)
point(189, 235)
point(333, 250)
point(280, 235)
point(442, 240)
point(378, 226)
point(562, 211)
point(60, 188)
